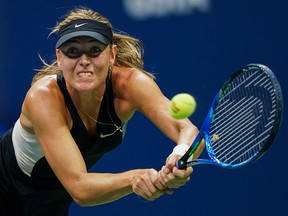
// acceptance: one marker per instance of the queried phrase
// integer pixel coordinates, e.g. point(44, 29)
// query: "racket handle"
point(180, 165)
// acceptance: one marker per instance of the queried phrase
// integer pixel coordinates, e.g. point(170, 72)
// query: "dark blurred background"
point(191, 46)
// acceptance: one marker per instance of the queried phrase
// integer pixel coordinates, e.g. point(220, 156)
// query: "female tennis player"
point(75, 112)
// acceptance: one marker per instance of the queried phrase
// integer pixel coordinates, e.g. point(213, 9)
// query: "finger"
point(170, 180)
point(169, 191)
point(159, 182)
point(182, 173)
point(139, 191)
point(170, 163)
point(141, 185)
point(176, 178)
point(151, 191)
point(166, 175)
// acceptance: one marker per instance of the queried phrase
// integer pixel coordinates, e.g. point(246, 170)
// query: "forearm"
point(187, 132)
point(99, 188)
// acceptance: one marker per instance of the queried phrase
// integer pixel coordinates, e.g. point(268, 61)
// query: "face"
point(85, 62)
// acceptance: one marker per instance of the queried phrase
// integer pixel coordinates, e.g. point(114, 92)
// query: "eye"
point(72, 52)
point(94, 51)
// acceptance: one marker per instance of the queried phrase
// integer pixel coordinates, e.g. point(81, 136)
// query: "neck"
point(88, 102)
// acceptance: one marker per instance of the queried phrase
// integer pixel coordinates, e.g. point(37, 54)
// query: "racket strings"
point(243, 118)
point(238, 112)
point(238, 135)
point(231, 144)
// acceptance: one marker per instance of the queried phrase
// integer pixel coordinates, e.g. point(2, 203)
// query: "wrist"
point(180, 150)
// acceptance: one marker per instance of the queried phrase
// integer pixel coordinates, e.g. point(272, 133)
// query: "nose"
point(84, 61)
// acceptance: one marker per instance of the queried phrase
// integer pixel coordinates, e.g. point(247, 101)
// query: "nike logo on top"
point(79, 25)
point(102, 135)
point(106, 135)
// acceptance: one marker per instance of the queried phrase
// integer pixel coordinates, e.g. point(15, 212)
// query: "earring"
point(109, 72)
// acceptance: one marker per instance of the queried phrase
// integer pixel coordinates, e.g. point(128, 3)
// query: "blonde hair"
point(129, 49)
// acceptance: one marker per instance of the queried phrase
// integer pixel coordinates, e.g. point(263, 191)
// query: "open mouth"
point(85, 74)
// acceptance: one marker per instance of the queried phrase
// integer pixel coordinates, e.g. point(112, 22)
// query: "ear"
point(58, 57)
point(113, 54)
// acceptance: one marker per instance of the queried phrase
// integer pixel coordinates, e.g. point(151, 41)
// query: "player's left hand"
point(172, 177)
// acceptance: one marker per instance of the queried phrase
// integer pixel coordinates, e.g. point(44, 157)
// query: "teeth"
point(85, 74)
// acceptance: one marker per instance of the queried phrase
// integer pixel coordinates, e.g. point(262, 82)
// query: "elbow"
point(86, 202)
point(79, 198)
point(80, 193)
point(81, 202)
point(86, 199)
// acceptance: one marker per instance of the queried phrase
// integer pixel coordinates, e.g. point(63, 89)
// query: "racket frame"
point(183, 162)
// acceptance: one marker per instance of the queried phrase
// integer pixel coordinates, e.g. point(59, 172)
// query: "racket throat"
point(183, 162)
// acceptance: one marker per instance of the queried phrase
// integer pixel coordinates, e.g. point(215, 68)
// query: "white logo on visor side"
point(79, 25)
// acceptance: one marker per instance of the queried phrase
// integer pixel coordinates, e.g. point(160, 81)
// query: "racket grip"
point(180, 165)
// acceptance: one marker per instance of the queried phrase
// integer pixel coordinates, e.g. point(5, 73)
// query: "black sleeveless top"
point(109, 126)
point(109, 131)
point(43, 187)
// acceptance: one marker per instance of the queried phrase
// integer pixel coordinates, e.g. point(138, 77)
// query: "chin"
point(85, 86)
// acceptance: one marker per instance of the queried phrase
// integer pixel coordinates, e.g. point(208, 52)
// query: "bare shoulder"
point(134, 90)
point(43, 99)
point(45, 88)
point(127, 81)
point(42, 83)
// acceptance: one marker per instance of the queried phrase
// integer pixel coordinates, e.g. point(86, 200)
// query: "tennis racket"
point(243, 120)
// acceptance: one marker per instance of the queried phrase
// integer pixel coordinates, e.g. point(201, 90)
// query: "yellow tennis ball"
point(182, 106)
